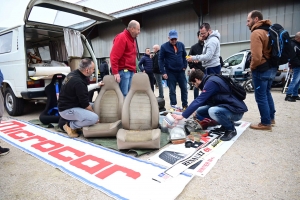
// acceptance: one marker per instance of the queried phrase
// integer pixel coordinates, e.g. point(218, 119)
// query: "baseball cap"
point(173, 34)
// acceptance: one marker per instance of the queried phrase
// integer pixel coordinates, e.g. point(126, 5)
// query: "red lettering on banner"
point(107, 172)
point(38, 146)
point(11, 130)
point(56, 153)
point(207, 149)
point(39, 138)
point(205, 139)
point(101, 164)
point(14, 135)
point(8, 124)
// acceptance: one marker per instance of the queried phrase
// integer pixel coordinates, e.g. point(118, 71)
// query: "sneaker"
point(261, 126)
point(71, 132)
point(228, 135)
point(296, 97)
point(290, 98)
point(4, 151)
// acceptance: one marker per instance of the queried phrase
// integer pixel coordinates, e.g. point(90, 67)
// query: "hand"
point(183, 69)
point(193, 69)
point(165, 76)
point(189, 59)
point(100, 83)
point(177, 118)
point(144, 71)
point(117, 78)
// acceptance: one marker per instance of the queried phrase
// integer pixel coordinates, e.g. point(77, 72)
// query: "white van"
point(40, 45)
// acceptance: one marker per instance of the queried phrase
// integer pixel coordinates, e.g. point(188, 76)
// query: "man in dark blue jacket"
point(215, 102)
point(146, 66)
point(172, 64)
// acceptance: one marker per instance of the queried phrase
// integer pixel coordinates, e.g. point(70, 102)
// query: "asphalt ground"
point(259, 165)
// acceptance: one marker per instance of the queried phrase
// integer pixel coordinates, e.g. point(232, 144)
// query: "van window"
point(6, 42)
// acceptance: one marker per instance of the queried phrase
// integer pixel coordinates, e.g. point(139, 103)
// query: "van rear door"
point(63, 14)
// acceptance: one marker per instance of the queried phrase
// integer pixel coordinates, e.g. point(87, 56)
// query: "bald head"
point(156, 47)
point(297, 37)
point(134, 28)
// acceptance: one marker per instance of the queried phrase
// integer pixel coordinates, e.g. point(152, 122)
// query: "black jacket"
point(196, 49)
point(156, 69)
point(295, 62)
point(103, 68)
point(74, 91)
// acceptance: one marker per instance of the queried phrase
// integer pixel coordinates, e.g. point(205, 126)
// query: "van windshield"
point(59, 18)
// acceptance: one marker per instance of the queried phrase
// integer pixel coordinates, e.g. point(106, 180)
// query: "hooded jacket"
point(211, 51)
point(259, 42)
point(215, 92)
point(156, 69)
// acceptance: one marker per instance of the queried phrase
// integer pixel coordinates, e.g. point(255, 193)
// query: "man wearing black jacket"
point(196, 49)
point(156, 70)
point(292, 92)
point(73, 102)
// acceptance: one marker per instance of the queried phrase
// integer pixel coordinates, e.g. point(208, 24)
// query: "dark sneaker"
point(4, 151)
point(261, 126)
point(228, 135)
point(290, 98)
point(71, 132)
point(296, 97)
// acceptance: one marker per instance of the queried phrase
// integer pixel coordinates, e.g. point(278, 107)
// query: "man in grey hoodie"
point(211, 50)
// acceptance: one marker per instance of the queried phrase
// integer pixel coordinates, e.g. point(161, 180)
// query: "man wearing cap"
point(172, 64)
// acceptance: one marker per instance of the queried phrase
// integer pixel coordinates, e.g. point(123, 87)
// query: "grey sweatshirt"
point(211, 51)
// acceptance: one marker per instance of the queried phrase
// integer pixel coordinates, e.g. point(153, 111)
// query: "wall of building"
point(227, 16)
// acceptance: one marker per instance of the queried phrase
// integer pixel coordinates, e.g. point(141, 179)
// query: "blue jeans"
point(79, 117)
point(158, 78)
point(125, 82)
point(295, 83)
point(213, 70)
point(262, 82)
point(173, 78)
point(222, 115)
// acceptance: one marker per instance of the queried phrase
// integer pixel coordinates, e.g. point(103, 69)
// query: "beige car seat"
point(108, 106)
point(140, 116)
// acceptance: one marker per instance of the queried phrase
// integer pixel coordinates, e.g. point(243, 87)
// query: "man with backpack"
point(292, 92)
point(216, 102)
point(262, 73)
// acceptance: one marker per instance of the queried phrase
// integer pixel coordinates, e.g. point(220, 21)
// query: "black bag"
point(280, 42)
point(236, 89)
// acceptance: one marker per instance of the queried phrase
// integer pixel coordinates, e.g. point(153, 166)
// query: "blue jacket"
point(146, 64)
point(1, 78)
point(215, 92)
point(169, 61)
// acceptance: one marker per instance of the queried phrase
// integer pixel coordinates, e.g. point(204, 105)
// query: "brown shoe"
point(273, 122)
point(261, 126)
point(71, 132)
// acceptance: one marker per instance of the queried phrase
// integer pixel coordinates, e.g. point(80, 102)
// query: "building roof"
point(120, 8)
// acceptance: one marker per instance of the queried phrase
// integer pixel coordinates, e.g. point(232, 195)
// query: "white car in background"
point(239, 62)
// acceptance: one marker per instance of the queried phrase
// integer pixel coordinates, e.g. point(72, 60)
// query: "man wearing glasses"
point(172, 64)
point(211, 50)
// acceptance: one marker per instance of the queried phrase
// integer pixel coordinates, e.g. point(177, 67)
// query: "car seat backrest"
point(109, 102)
point(140, 110)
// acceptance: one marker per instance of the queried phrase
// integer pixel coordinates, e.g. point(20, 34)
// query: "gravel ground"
point(259, 165)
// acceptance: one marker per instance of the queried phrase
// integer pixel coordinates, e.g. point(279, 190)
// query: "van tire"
point(14, 106)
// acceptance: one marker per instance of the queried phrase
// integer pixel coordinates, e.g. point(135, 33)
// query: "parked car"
point(40, 43)
point(235, 64)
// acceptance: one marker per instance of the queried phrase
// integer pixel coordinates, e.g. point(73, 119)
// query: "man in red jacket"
point(123, 56)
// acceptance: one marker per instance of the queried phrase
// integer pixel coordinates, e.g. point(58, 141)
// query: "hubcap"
point(9, 102)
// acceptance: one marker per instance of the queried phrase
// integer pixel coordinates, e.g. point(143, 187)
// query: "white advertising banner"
point(116, 174)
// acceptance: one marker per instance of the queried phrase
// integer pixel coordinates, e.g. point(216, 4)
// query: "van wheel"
point(14, 106)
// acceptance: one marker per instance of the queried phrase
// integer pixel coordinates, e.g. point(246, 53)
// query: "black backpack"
point(280, 42)
point(236, 89)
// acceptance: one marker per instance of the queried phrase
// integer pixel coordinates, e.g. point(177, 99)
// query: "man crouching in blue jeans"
point(215, 102)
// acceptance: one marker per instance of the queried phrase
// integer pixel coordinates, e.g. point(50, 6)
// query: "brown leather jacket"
point(259, 44)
